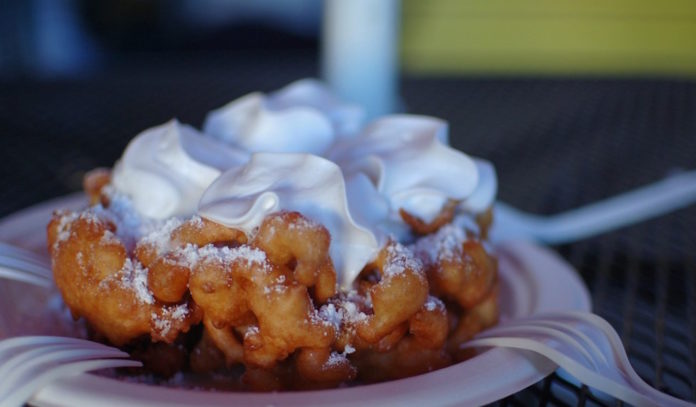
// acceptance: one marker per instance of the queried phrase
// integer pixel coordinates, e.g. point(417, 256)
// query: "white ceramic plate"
point(533, 278)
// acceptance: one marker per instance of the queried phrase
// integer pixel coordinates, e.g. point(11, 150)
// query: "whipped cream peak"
point(165, 169)
point(301, 117)
point(409, 163)
point(404, 129)
point(346, 118)
point(273, 182)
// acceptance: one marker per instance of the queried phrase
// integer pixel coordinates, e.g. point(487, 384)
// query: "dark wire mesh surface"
point(556, 144)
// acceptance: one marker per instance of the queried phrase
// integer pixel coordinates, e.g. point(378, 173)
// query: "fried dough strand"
point(458, 268)
point(290, 239)
point(401, 278)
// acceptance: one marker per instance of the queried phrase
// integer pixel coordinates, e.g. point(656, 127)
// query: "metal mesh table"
point(556, 144)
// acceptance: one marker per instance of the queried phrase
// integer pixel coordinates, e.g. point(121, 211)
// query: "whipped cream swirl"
point(411, 167)
point(272, 182)
point(260, 155)
point(165, 169)
point(301, 117)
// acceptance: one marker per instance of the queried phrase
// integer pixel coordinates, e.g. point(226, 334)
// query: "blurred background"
point(67, 38)
point(100, 72)
point(49, 38)
point(621, 37)
point(573, 101)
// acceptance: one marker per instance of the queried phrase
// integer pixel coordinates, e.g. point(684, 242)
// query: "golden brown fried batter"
point(472, 321)
point(421, 227)
point(458, 270)
point(98, 281)
point(429, 326)
point(289, 238)
point(400, 293)
point(407, 358)
point(270, 301)
point(323, 365)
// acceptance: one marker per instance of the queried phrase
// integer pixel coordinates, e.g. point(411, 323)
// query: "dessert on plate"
point(287, 245)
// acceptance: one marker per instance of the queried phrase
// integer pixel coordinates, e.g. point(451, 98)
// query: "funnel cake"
point(288, 243)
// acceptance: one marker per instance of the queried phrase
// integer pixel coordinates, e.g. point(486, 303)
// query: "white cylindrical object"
point(360, 52)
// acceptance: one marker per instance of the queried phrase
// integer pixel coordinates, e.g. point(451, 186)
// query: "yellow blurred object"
point(550, 37)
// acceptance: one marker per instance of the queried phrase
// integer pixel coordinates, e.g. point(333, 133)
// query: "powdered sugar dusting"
point(251, 331)
point(179, 312)
point(130, 225)
point(91, 215)
point(351, 313)
point(335, 359)
point(160, 238)
point(191, 254)
point(163, 323)
point(109, 238)
point(188, 255)
point(64, 223)
point(196, 222)
point(399, 259)
point(343, 311)
point(445, 244)
point(433, 303)
point(275, 288)
point(302, 222)
point(332, 315)
point(129, 221)
point(133, 276)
